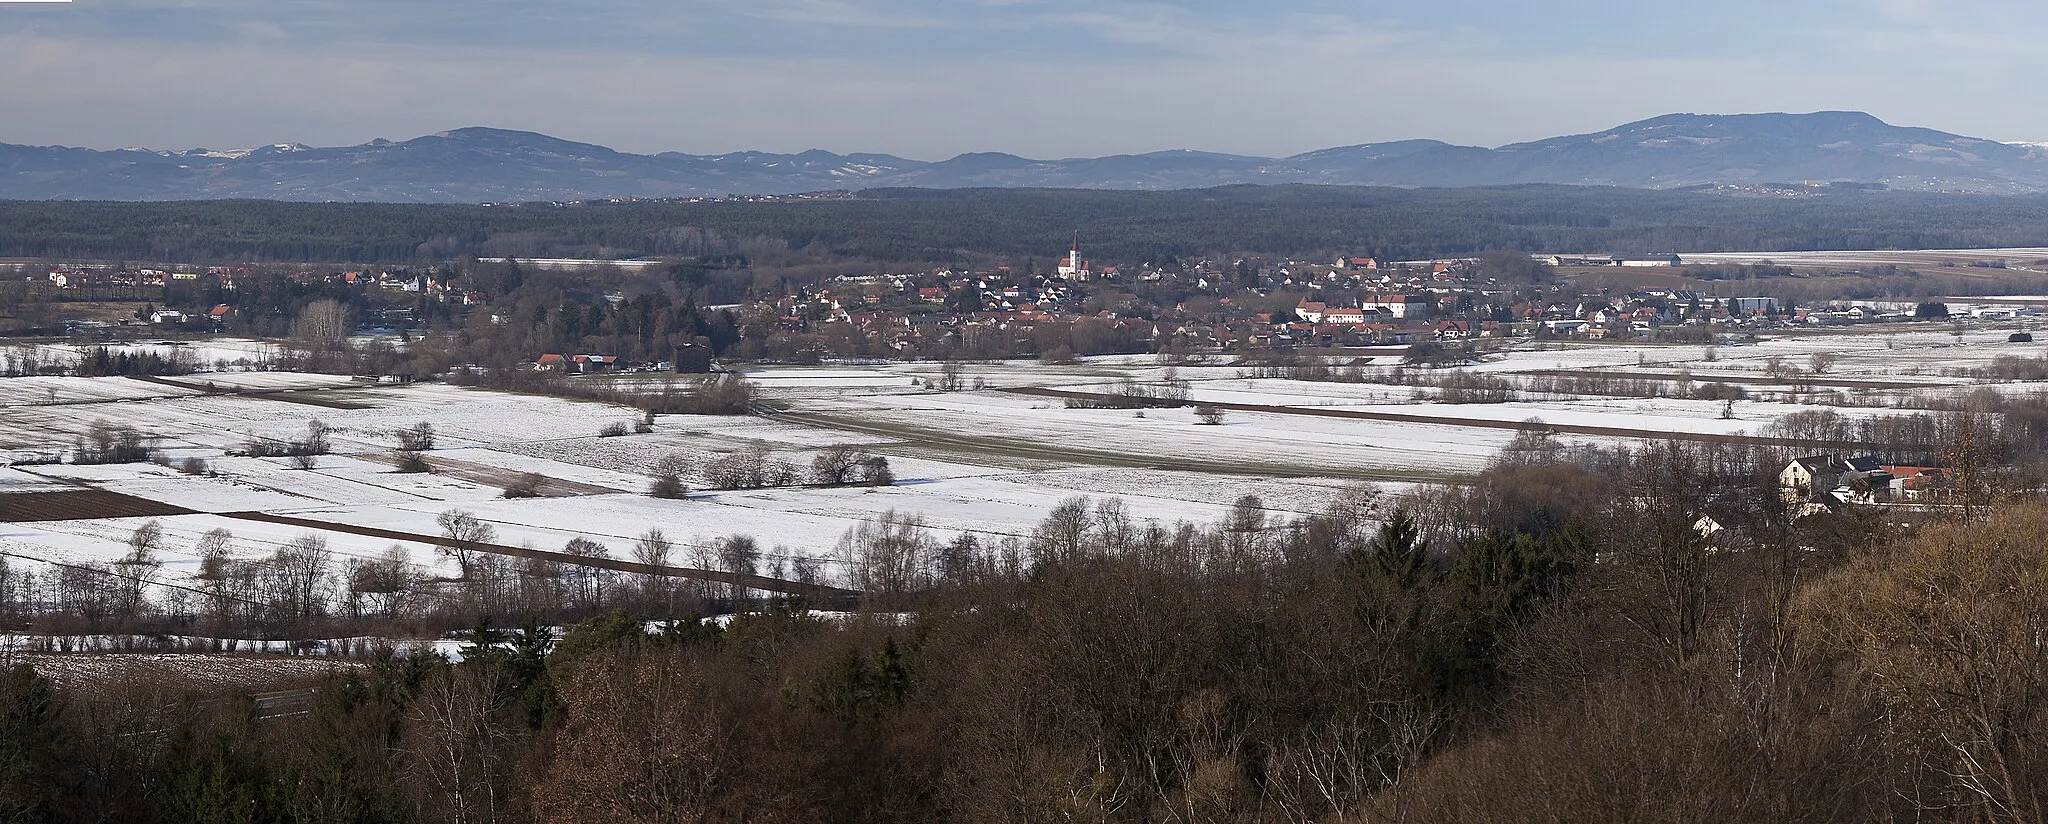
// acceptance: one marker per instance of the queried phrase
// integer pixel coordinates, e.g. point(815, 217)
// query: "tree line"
point(954, 226)
point(1563, 639)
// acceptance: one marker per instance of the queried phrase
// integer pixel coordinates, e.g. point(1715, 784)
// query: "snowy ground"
point(989, 461)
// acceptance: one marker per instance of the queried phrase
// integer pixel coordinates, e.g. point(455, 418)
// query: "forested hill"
point(941, 226)
point(482, 165)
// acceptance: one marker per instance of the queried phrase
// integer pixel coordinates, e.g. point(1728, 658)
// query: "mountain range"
point(479, 165)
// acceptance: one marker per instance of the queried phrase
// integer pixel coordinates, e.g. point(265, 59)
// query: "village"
point(1209, 305)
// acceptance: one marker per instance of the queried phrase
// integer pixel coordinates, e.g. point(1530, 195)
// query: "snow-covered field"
point(990, 461)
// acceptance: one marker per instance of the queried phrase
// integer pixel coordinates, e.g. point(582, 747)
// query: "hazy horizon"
point(930, 79)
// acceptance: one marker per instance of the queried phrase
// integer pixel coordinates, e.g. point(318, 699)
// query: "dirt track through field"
point(817, 592)
point(495, 476)
point(1477, 423)
point(976, 450)
point(309, 395)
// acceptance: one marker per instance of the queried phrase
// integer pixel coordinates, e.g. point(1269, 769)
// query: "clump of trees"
point(1436, 354)
point(110, 443)
point(752, 468)
point(723, 394)
point(843, 465)
point(316, 441)
point(101, 361)
point(419, 437)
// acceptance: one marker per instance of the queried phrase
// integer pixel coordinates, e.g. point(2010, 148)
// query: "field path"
point(1477, 423)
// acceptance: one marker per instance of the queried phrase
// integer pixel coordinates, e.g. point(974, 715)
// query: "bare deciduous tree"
point(416, 438)
point(456, 750)
point(137, 569)
point(586, 584)
point(888, 554)
point(836, 464)
point(464, 532)
point(739, 554)
point(751, 468)
point(322, 325)
point(380, 587)
point(655, 549)
point(302, 578)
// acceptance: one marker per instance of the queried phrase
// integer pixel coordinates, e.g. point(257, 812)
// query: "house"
point(1835, 478)
point(1707, 527)
point(1341, 316)
point(1915, 482)
point(1310, 310)
point(1806, 478)
point(1400, 306)
point(693, 359)
point(1453, 330)
point(576, 364)
point(166, 316)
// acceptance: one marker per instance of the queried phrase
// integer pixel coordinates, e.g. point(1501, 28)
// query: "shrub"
point(412, 461)
point(1718, 391)
point(876, 471)
point(1431, 353)
point(668, 477)
point(727, 394)
point(613, 429)
point(1465, 387)
point(526, 486)
point(195, 465)
point(304, 460)
point(1209, 415)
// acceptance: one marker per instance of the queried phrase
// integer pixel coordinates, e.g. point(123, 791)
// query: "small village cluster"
point(1238, 305)
point(1207, 305)
point(1832, 480)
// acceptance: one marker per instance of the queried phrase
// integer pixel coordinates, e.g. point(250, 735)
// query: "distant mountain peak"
point(487, 164)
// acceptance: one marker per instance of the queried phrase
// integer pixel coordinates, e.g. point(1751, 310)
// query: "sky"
point(929, 79)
